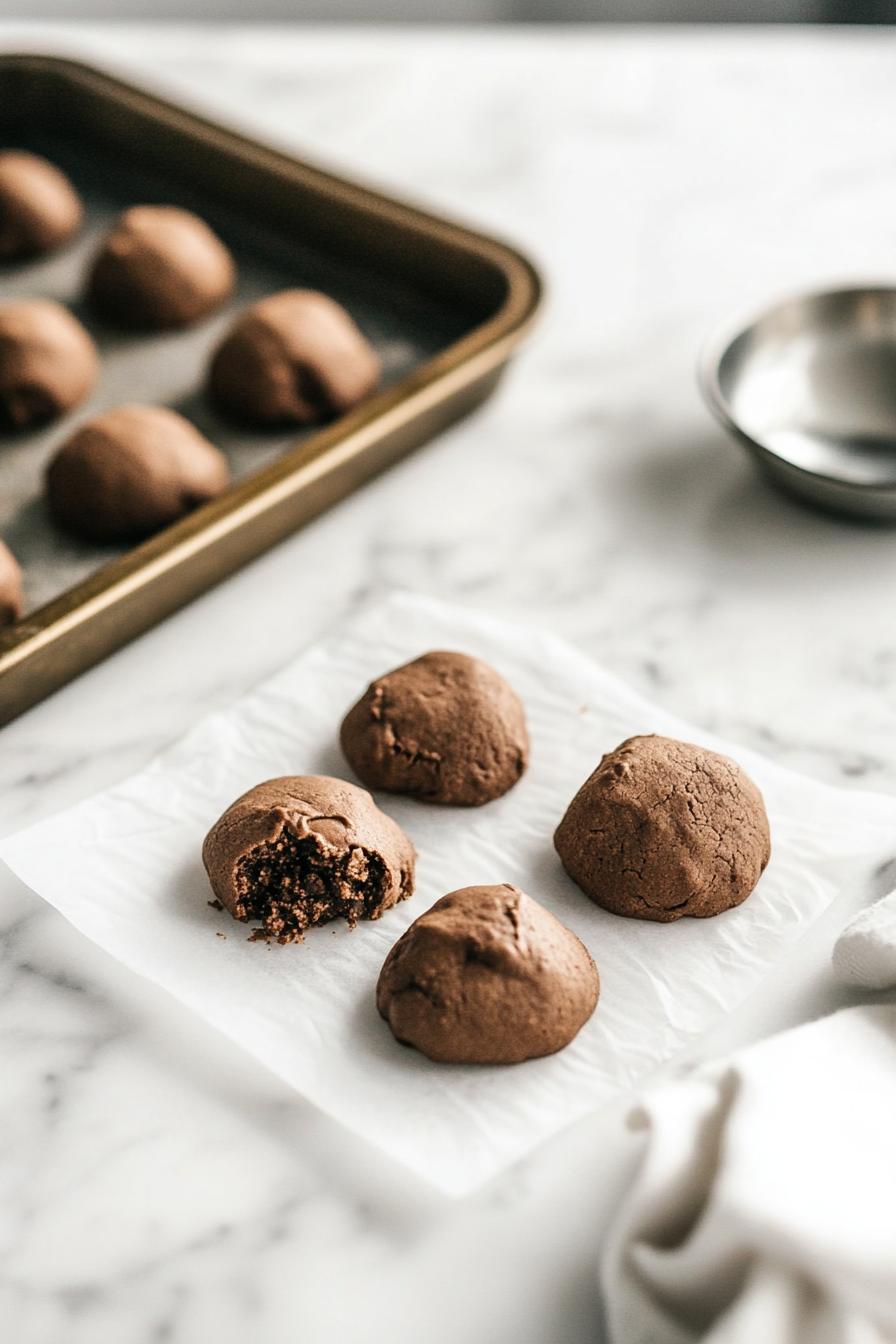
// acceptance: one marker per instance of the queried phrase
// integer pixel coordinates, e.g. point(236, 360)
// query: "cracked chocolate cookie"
point(664, 829)
point(291, 359)
point(39, 207)
point(12, 604)
point(487, 976)
point(132, 471)
point(446, 728)
point(160, 268)
point(48, 363)
point(303, 850)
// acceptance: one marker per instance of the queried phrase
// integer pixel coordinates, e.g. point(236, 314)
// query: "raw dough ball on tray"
point(303, 850)
point(291, 359)
point(39, 207)
point(160, 268)
point(48, 363)
point(446, 728)
point(664, 829)
point(487, 976)
point(132, 471)
point(12, 605)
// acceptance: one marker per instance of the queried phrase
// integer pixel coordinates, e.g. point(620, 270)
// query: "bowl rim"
point(737, 325)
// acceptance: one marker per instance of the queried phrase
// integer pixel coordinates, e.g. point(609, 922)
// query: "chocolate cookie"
point(487, 976)
point(160, 268)
point(39, 208)
point(48, 363)
point(445, 727)
point(12, 604)
point(132, 471)
point(664, 829)
point(303, 850)
point(293, 358)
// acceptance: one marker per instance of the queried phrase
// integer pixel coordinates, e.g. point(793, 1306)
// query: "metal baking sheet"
point(168, 368)
point(442, 306)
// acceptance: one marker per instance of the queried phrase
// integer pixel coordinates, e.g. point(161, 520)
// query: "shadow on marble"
point(699, 483)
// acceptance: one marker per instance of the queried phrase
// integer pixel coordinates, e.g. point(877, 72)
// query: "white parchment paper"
point(124, 867)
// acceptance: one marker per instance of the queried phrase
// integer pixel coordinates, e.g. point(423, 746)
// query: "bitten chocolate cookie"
point(39, 207)
point(445, 727)
point(291, 359)
point(160, 268)
point(132, 471)
point(48, 363)
point(487, 976)
point(664, 829)
point(303, 850)
point(12, 603)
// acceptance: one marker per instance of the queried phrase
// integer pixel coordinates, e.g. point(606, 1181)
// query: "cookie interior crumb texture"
point(39, 207)
point(664, 829)
point(48, 363)
point(291, 884)
point(487, 976)
point(303, 850)
point(446, 728)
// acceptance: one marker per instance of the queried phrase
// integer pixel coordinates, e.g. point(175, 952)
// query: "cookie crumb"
point(299, 851)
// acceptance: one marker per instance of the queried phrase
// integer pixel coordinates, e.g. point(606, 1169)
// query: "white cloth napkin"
point(865, 952)
point(765, 1208)
point(125, 868)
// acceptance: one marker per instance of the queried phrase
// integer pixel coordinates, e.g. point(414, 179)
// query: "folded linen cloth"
point(865, 952)
point(765, 1208)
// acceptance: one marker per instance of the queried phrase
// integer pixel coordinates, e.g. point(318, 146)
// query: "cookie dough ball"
point(446, 728)
point(664, 829)
point(132, 471)
point(12, 603)
point(160, 268)
point(487, 976)
point(303, 850)
point(292, 359)
point(48, 363)
point(39, 207)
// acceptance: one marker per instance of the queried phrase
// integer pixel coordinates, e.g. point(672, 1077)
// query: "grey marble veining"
point(155, 1185)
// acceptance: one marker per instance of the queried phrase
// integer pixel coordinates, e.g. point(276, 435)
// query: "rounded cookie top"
point(48, 363)
point(446, 728)
point(132, 471)
point(39, 207)
point(487, 976)
point(160, 268)
point(664, 829)
point(302, 850)
point(292, 358)
point(12, 602)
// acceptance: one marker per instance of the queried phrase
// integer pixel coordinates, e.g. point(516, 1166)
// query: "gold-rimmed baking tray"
point(445, 307)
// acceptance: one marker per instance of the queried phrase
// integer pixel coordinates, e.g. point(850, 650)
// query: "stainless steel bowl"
point(809, 387)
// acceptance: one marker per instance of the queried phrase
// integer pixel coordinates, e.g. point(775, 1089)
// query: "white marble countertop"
point(157, 1185)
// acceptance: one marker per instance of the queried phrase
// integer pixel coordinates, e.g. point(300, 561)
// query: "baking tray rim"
point(469, 360)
